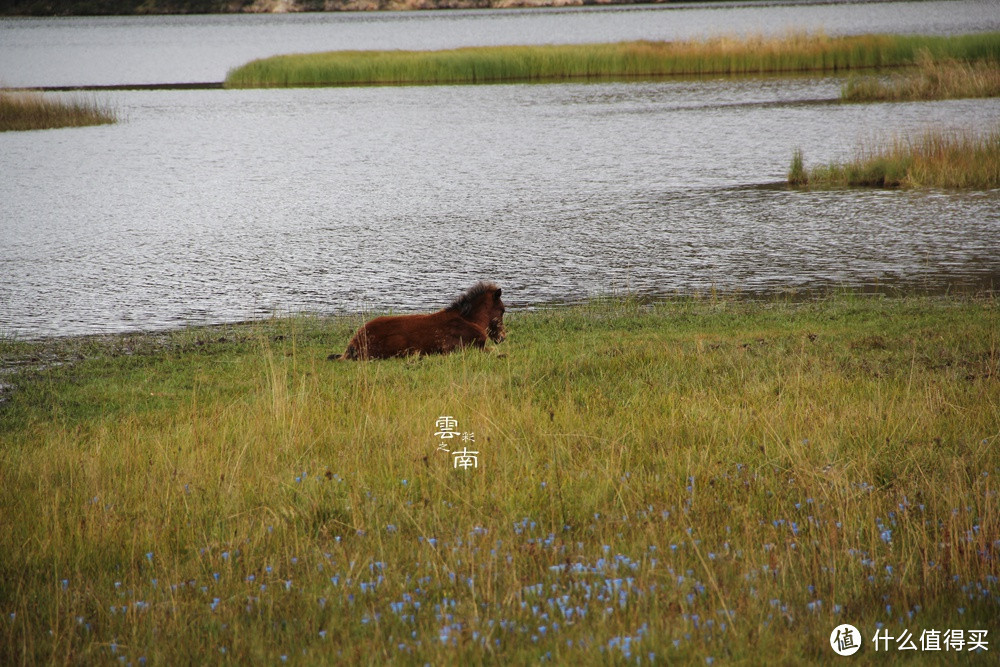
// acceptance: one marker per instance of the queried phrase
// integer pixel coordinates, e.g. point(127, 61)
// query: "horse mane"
point(464, 304)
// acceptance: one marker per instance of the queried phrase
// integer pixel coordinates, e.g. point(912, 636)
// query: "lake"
point(184, 49)
point(211, 205)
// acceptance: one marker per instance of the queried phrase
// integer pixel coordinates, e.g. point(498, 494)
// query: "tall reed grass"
point(934, 159)
point(932, 80)
point(698, 481)
point(720, 55)
point(36, 111)
point(796, 173)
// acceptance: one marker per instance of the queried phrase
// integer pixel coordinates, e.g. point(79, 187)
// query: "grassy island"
point(934, 159)
point(695, 479)
point(722, 55)
point(35, 111)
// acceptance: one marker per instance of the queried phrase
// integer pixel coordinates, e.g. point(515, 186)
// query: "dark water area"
point(208, 206)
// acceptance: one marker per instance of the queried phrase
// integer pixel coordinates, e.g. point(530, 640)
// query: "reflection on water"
point(222, 205)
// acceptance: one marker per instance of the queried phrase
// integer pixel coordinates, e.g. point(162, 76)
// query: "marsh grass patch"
point(721, 55)
point(932, 159)
point(20, 111)
point(930, 79)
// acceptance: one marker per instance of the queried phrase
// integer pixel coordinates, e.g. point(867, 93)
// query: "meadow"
point(934, 159)
point(796, 52)
point(34, 111)
point(699, 479)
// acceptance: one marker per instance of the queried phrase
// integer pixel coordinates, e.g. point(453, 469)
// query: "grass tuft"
point(796, 173)
point(795, 52)
point(35, 111)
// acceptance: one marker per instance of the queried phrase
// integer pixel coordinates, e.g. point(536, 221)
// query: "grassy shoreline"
point(20, 111)
point(934, 159)
point(721, 55)
point(697, 478)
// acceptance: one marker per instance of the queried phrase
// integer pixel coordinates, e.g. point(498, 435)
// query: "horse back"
point(402, 335)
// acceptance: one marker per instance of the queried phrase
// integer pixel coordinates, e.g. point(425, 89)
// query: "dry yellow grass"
point(37, 111)
point(934, 159)
point(932, 80)
point(695, 479)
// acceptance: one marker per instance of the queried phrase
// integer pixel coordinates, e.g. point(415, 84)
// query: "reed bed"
point(699, 480)
point(934, 159)
point(721, 55)
point(932, 80)
point(35, 111)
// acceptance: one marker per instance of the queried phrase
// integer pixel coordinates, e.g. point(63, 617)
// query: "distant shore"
point(141, 7)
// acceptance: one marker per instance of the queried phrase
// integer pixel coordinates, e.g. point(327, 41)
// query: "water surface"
point(210, 205)
point(214, 205)
point(182, 49)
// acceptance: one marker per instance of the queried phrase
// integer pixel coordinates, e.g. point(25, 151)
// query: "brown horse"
point(469, 320)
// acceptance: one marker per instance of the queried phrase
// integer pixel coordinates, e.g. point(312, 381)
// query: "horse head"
point(495, 329)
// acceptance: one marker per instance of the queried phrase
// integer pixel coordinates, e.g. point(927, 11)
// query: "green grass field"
point(719, 55)
point(34, 111)
point(701, 480)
